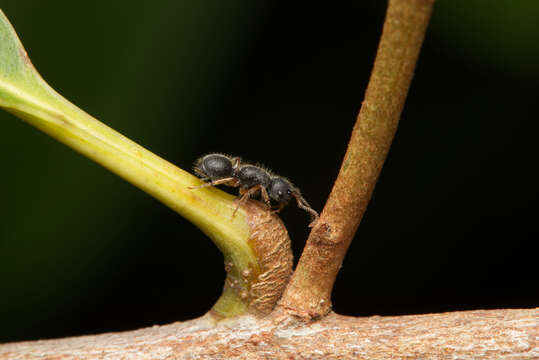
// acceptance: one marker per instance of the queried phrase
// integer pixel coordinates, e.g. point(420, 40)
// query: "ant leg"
point(281, 206)
point(214, 183)
point(302, 203)
point(265, 196)
point(246, 194)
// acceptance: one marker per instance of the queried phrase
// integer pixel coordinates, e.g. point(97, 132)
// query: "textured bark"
point(255, 287)
point(309, 292)
point(271, 244)
point(493, 334)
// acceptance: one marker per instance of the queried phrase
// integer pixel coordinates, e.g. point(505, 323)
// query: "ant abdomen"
point(214, 167)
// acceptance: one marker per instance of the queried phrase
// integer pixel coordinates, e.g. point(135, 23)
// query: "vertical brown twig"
point(309, 291)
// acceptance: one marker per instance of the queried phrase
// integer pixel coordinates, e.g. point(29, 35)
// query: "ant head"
point(214, 166)
point(281, 190)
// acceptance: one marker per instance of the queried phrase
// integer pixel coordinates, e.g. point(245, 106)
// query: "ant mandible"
point(219, 169)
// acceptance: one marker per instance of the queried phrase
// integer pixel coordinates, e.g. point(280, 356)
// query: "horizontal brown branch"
point(483, 334)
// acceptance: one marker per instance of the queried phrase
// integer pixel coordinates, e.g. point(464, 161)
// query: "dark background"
point(453, 219)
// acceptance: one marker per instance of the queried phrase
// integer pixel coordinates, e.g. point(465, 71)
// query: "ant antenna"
point(302, 203)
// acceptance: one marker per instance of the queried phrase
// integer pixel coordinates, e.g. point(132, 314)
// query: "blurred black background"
point(453, 219)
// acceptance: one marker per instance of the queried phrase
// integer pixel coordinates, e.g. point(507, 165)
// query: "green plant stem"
point(24, 93)
point(309, 291)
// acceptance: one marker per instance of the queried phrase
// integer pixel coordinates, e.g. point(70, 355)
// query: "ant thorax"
point(251, 179)
point(251, 175)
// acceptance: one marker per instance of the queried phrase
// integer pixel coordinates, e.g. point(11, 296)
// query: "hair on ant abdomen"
point(219, 169)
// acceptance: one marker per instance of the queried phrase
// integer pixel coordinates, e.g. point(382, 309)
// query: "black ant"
point(220, 169)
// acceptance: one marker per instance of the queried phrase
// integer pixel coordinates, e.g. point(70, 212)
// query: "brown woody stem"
point(309, 292)
point(478, 335)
